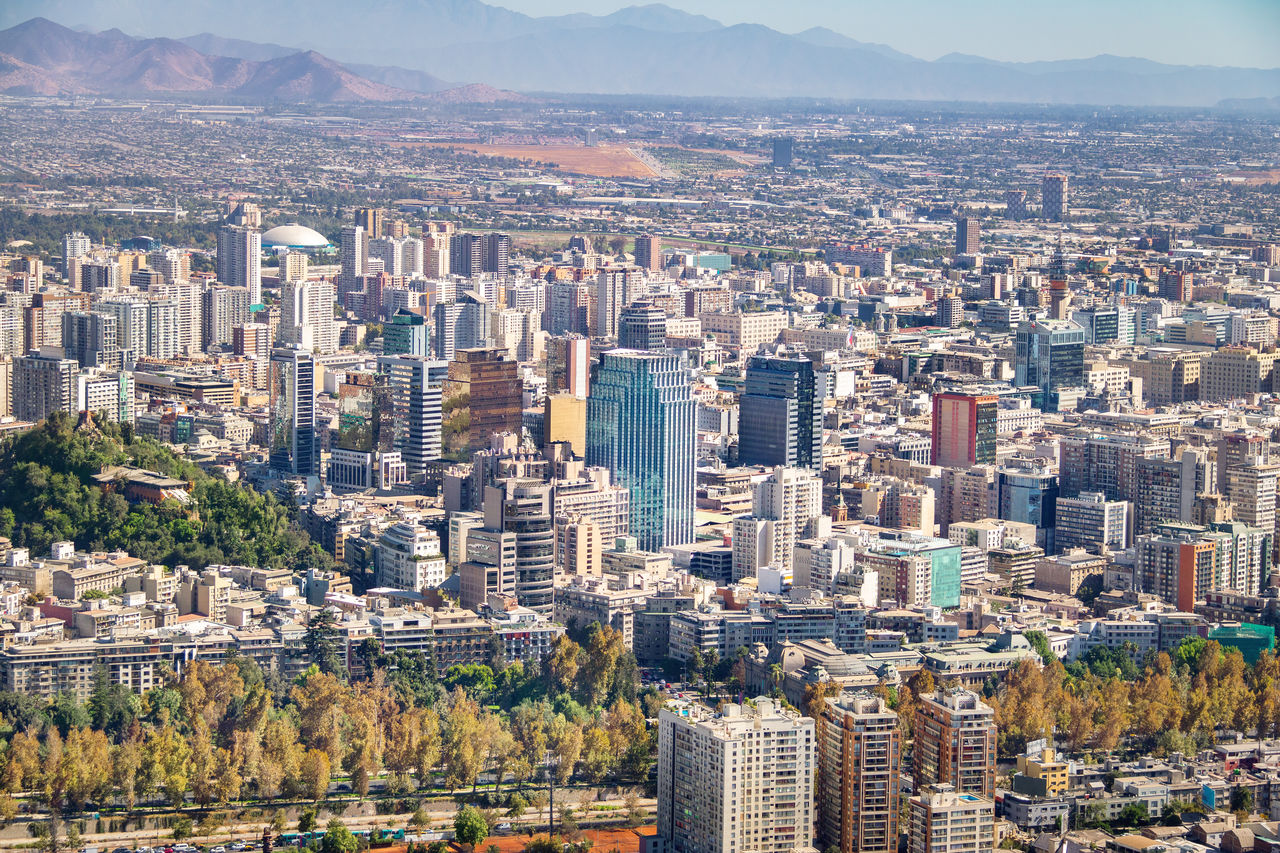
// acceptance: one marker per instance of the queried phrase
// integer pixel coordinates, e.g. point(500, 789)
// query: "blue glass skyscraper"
point(641, 425)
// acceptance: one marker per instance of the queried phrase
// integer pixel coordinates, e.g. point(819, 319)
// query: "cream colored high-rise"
point(740, 781)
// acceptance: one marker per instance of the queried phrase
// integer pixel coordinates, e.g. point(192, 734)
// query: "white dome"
point(295, 236)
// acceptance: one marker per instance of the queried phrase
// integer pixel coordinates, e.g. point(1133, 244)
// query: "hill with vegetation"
point(47, 494)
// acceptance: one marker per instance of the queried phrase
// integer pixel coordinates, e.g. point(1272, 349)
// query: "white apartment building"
point(409, 557)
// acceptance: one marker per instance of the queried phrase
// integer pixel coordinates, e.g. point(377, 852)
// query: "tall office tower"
point(466, 255)
point(1054, 203)
point(409, 557)
point(1106, 324)
point(1176, 286)
point(353, 252)
point(964, 429)
point(371, 220)
point(1252, 491)
point(1027, 492)
point(365, 430)
point(173, 264)
point(955, 743)
point(1092, 522)
point(240, 259)
point(524, 507)
point(74, 245)
point(497, 396)
point(1015, 204)
point(565, 420)
point(1050, 355)
point(416, 388)
point(944, 821)
point(489, 567)
point(108, 394)
point(569, 366)
point(465, 324)
point(165, 327)
point(306, 316)
point(101, 277)
point(641, 425)
point(224, 309)
point(615, 288)
point(648, 252)
point(1166, 489)
point(293, 447)
point(968, 236)
point(642, 325)
point(390, 251)
point(497, 253)
point(406, 334)
point(737, 780)
point(859, 759)
point(43, 383)
point(783, 152)
point(781, 413)
point(784, 509)
point(293, 266)
point(92, 339)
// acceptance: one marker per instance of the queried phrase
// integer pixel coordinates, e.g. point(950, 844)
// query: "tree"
point(314, 773)
point(338, 839)
point(321, 641)
point(279, 822)
point(420, 820)
point(307, 820)
point(470, 826)
point(182, 828)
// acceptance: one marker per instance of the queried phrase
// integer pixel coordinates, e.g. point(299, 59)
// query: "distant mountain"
point(41, 57)
point(651, 49)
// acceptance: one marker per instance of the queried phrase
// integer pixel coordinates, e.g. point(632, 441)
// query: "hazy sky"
point(1192, 32)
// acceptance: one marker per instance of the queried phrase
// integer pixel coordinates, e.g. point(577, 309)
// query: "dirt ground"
point(605, 161)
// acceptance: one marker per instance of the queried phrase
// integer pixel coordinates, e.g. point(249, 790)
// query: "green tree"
point(321, 641)
point(182, 828)
point(338, 839)
point(470, 826)
point(307, 820)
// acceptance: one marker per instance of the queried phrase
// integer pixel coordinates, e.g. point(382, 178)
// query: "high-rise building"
point(240, 259)
point(641, 425)
point(466, 255)
point(293, 266)
point(224, 309)
point(406, 334)
point(1252, 491)
point(353, 253)
point(409, 557)
point(783, 152)
point(464, 324)
point(780, 413)
point(43, 382)
point(1049, 354)
point(173, 264)
point(293, 444)
point(524, 508)
point(1092, 522)
point(1015, 204)
point(947, 821)
point(1106, 463)
point(1176, 285)
point(1180, 563)
point(950, 311)
point(1166, 489)
point(102, 277)
point(784, 506)
point(615, 288)
point(642, 325)
point(955, 743)
point(497, 396)
point(1054, 203)
point(565, 420)
point(497, 253)
point(371, 220)
point(92, 339)
point(74, 245)
point(106, 394)
point(859, 759)
point(306, 316)
point(1237, 373)
point(964, 429)
point(569, 365)
point(648, 252)
point(416, 386)
point(968, 236)
point(741, 779)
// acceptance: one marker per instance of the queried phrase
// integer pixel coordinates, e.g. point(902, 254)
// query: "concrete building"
point(859, 759)
point(955, 743)
point(947, 821)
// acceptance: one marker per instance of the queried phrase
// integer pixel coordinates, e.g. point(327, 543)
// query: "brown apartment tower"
point(648, 252)
point(492, 381)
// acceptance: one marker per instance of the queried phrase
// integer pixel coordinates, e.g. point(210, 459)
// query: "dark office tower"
point(780, 420)
point(1053, 197)
point(648, 252)
point(497, 253)
point(578, 243)
point(783, 152)
point(964, 430)
point(1015, 204)
point(466, 254)
point(293, 411)
point(1176, 285)
point(1050, 355)
point(497, 395)
point(526, 508)
point(569, 365)
point(406, 334)
point(92, 339)
point(968, 236)
point(642, 325)
point(100, 277)
point(641, 425)
point(371, 220)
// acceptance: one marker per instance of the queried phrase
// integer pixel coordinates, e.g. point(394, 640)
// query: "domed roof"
point(294, 236)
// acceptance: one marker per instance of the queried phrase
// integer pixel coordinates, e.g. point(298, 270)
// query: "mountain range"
point(385, 49)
